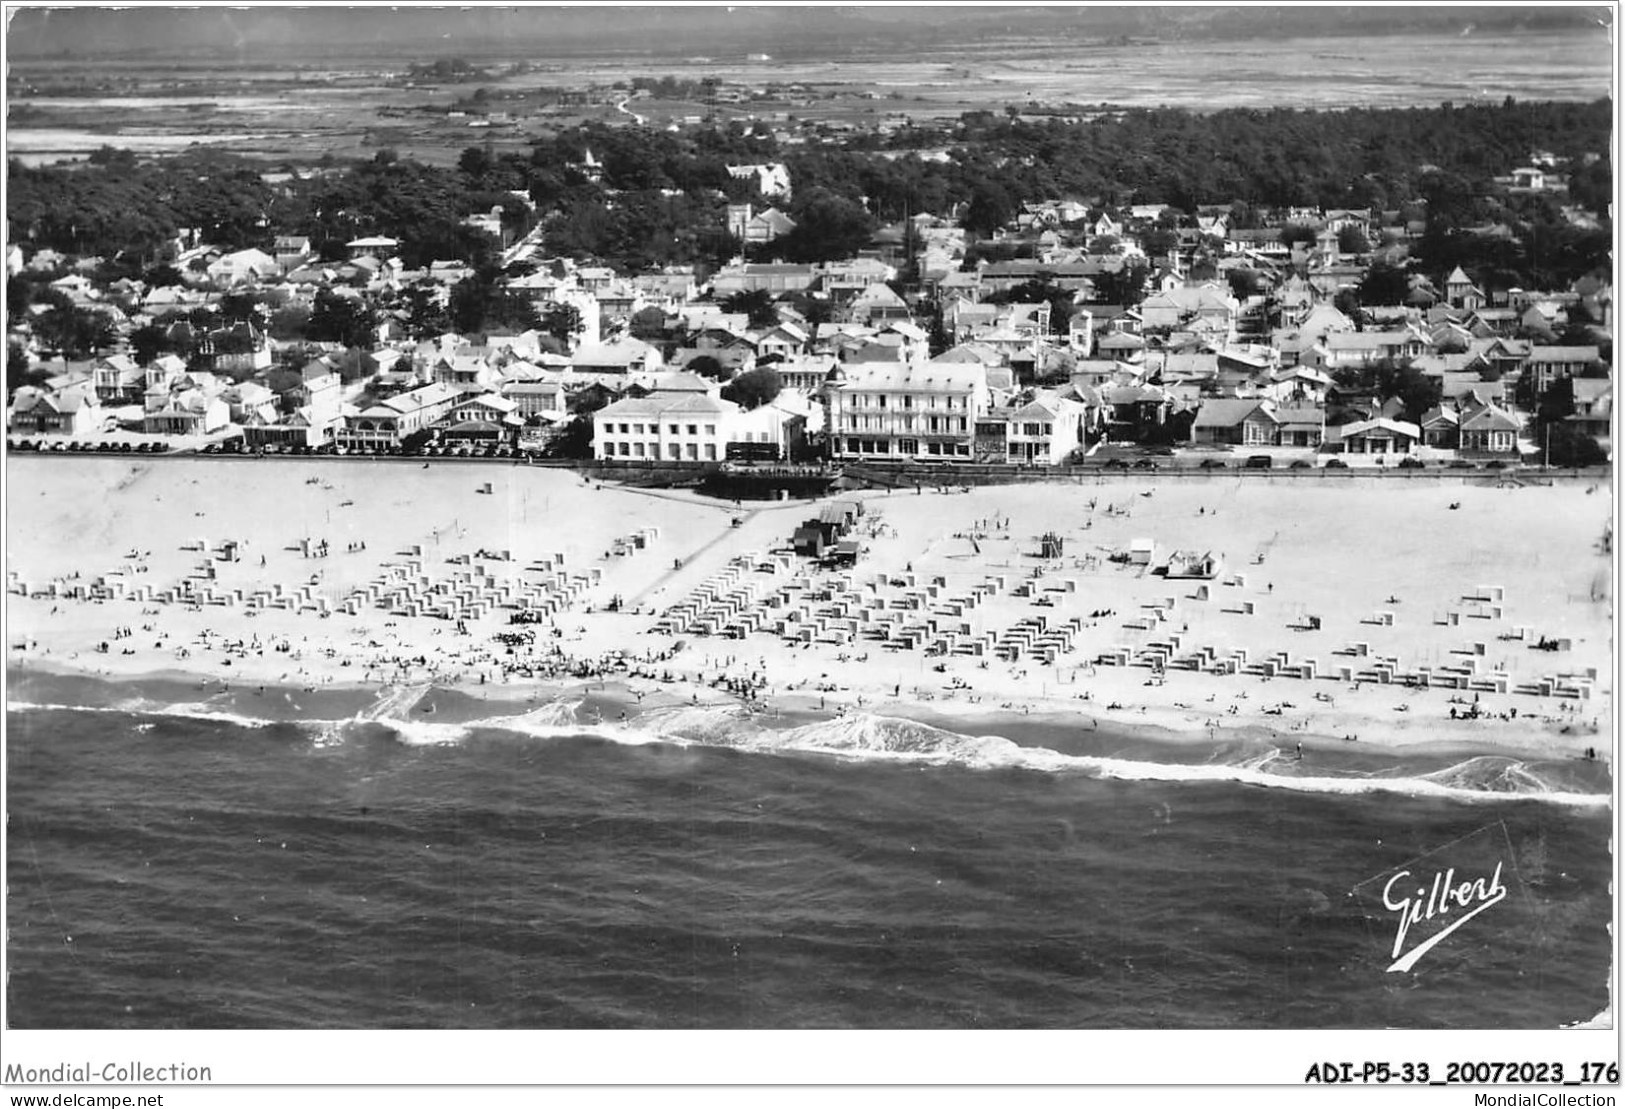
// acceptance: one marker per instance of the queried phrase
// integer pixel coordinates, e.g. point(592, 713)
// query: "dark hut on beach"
point(810, 541)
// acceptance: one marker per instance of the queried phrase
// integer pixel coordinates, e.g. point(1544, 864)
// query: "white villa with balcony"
point(907, 411)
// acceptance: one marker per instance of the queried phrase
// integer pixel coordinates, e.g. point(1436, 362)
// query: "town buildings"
point(906, 411)
point(903, 352)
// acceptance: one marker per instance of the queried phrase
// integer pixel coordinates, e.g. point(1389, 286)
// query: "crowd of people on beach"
point(553, 647)
point(459, 656)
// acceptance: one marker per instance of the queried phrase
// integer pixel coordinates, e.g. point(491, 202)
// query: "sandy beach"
point(1327, 607)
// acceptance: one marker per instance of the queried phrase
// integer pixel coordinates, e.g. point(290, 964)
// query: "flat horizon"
point(545, 31)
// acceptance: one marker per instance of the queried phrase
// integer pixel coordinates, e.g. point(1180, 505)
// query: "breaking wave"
point(874, 737)
point(1491, 774)
point(188, 711)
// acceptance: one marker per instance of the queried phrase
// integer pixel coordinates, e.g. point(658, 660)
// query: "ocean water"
point(181, 858)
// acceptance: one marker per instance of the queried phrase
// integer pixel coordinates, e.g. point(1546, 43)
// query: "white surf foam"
point(719, 724)
point(863, 736)
point(544, 722)
point(183, 710)
point(194, 711)
point(1493, 773)
point(868, 736)
point(420, 733)
point(38, 706)
point(393, 702)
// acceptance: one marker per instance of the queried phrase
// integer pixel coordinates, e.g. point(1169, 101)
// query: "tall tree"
point(1351, 240)
point(754, 388)
point(18, 371)
point(470, 303)
point(147, 342)
point(1295, 233)
point(1385, 283)
point(74, 332)
point(426, 313)
point(828, 227)
point(340, 319)
point(754, 303)
point(707, 366)
point(990, 208)
point(563, 321)
point(1125, 286)
point(1390, 378)
point(289, 322)
point(476, 162)
point(243, 308)
point(1561, 444)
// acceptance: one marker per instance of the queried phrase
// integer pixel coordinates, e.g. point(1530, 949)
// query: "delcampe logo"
point(1432, 897)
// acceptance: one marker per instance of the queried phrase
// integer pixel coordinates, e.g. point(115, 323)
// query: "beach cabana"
point(810, 540)
point(845, 553)
point(1190, 564)
point(839, 516)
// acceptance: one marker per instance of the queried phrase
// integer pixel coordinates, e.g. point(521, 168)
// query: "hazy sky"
point(237, 31)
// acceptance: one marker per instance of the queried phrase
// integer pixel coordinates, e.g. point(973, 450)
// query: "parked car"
point(1336, 464)
point(1213, 464)
point(1301, 464)
point(1412, 464)
point(1260, 462)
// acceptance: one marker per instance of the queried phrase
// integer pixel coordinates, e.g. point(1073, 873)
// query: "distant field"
point(350, 107)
